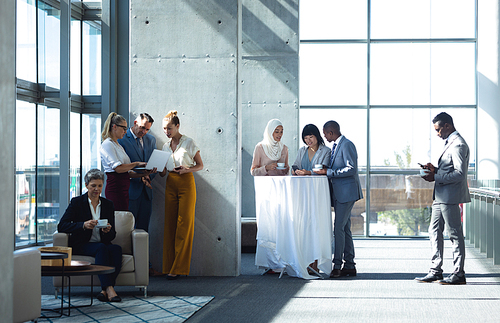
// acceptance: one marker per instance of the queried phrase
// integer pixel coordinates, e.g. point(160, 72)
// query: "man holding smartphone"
point(450, 189)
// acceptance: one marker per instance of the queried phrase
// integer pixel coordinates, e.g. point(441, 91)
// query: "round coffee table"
point(68, 271)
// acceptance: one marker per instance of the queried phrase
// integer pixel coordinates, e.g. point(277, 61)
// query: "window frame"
point(369, 170)
point(40, 94)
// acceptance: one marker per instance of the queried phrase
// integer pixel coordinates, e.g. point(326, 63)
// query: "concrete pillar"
point(7, 124)
point(184, 57)
point(488, 163)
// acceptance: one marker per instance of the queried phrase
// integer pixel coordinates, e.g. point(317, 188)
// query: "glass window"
point(402, 19)
point(26, 41)
point(48, 44)
point(408, 85)
point(399, 205)
point(76, 57)
point(333, 19)
point(333, 74)
point(48, 172)
point(25, 172)
point(91, 58)
point(422, 74)
point(91, 143)
point(412, 136)
point(38, 35)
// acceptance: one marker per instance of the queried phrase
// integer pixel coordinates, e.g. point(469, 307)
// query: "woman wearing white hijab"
point(270, 151)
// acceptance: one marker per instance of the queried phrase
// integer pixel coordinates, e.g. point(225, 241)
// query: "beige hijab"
point(272, 148)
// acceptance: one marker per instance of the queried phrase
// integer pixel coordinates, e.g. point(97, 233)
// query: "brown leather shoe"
point(348, 272)
point(335, 273)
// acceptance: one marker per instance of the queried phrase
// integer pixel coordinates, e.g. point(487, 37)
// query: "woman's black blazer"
point(77, 213)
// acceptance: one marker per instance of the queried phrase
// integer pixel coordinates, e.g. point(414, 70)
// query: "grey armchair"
point(27, 285)
point(135, 260)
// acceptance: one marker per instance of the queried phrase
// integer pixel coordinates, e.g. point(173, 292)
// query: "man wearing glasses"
point(139, 146)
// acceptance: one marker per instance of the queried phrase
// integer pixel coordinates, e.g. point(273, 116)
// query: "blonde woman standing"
point(180, 198)
point(116, 162)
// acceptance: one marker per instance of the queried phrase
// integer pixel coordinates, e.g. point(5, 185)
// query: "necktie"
point(333, 151)
point(141, 148)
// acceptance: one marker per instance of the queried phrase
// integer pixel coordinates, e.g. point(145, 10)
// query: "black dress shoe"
point(453, 279)
point(348, 272)
point(116, 299)
point(429, 278)
point(102, 297)
point(335, 273)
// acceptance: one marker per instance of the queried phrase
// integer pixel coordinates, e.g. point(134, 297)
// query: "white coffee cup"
point(318, 166)
point(281, 165)
point(102, 223)
point(424, 172)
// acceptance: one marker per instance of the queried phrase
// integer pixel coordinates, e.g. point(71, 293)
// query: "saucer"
point(280, 168)
point(317, 169)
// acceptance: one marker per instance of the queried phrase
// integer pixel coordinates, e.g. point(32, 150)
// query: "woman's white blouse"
point(112, 155)
point(183, 154)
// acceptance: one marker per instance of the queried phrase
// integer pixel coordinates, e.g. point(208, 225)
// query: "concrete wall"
point(269, 81)
point(227, 67)
point(7, 124)
point(488, 143)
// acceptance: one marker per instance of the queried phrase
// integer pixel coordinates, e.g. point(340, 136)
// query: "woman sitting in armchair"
point(87, 238)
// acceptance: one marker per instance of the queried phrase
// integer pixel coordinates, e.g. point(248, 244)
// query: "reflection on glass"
point(74, 156)
point(333, 74)
point(48, 44)
point(400, 205)
point(422, 19)
point(402, 138)
point(91, 142)
point(91, 53)
point(352, 125)
point(333, 19)
point(48, 172)
point(75, 60)
point(25, 173)
point(26, 41)
point(422, 74)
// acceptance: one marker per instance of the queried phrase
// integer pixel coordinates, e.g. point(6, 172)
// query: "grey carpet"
point(383, 291)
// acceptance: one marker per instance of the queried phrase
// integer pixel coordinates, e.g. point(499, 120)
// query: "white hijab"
point(272, 148)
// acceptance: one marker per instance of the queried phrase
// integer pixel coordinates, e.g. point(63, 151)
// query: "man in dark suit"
point(345, 190)
point(450, 189)
point(139, 146)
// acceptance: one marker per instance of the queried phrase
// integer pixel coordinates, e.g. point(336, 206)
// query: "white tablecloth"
point(294, 223)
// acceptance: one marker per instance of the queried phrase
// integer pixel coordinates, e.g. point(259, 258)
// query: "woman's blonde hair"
point(172, 117)
point(113, 119)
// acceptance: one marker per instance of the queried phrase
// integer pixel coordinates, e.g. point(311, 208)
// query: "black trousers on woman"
point(105, 255)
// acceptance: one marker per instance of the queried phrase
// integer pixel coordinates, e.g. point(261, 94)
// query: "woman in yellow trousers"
point(180, 198)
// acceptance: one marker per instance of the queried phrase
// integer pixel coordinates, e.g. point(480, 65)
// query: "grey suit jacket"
point(343, 173)
point(451, 178)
